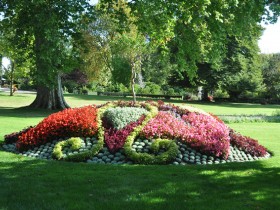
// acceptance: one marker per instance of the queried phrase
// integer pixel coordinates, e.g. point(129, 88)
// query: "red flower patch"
point(66, 123)
point(13, 137)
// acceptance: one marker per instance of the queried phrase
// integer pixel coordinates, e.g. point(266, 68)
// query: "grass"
point(249, 118)
point(27, 183)
point(215, 108)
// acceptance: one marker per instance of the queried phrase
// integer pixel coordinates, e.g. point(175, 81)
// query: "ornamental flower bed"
point(69, 122)
point(145, 133)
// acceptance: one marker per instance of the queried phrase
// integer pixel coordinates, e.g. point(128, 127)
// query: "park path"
point(7, 90)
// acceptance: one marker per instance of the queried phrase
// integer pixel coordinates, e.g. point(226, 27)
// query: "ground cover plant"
point(28, 183)
point(126, 132)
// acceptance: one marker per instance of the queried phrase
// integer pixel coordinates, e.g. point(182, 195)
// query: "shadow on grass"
point(236, 105)
point(24, 112)
point(35, 184)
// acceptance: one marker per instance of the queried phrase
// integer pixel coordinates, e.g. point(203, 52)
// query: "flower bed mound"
point(67, 123)
point(145, 133)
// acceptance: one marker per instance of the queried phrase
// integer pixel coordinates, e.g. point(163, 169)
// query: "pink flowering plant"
point(207, 134)
point(199, 131)
point(164, 125)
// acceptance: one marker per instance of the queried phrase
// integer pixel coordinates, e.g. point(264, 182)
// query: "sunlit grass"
point(27, 183)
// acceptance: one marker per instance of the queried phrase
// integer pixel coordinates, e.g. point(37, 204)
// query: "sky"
point(270, 40)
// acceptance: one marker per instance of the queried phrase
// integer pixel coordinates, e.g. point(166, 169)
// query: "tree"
point(46, 28)
point(196, 31)
point(271, 74)
point(157, 67)
point(115, 43)
point(94, 50)
point(241, 67)
point(129, 48)
point(1, 69)
point(74, 80)
point(20, 62)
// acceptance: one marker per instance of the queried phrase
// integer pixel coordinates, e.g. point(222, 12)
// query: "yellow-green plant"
point(75, 143)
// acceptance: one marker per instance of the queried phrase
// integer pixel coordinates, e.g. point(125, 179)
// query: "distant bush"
point(170, 91)
point(151, 88)
point(70, 85)
point(219, 93)
point(250, 118)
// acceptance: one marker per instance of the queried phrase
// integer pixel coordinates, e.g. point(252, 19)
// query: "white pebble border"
point(185, 156)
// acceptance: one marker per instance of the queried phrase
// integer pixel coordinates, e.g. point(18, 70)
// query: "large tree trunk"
point(50, 98)
point(205, 94)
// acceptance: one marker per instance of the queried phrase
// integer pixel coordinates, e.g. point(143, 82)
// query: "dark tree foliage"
point(271, 74)
point(77, 76)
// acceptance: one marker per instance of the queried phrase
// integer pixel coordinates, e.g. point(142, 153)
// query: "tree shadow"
point(236, 105)
point(24, 112)
point(37, 184)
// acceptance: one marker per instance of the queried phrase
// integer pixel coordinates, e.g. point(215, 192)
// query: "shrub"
point(247, 144)
point(170, 91)
point(84, 91)
point(121, 116)
point(151, 88)
point(69, 122)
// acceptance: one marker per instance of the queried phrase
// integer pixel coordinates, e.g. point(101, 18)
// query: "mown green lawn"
point(27, 183)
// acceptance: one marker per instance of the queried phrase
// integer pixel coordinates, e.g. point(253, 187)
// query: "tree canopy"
point(197, 31)
point(46, 29)
point(188, 34)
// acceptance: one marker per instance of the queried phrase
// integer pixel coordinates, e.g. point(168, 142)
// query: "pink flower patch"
point(199, 131)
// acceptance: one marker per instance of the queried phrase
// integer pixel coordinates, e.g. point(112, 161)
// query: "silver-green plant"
point(119, 117)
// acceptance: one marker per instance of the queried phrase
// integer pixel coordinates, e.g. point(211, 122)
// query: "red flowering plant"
point(13, 137)
point(247, 144)
point(114, 138)
point(66, 123)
